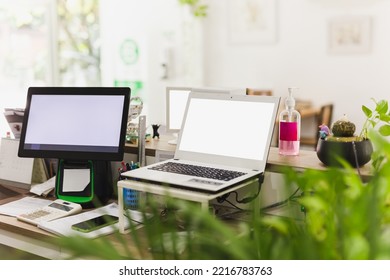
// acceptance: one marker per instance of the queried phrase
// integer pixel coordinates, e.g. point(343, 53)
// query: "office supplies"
point(95, 223)
point(130, 196)
point(55, 210)
point(63, 226)
point(43, 189)
point(23, 205)
point(220, 131)
point(83, 127)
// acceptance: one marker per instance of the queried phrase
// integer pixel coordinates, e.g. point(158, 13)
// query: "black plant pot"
point(329, 152)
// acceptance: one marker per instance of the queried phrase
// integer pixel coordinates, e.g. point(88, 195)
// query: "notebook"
point(222, 132)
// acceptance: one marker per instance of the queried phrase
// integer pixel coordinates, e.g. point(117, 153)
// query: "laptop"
point(220, 133)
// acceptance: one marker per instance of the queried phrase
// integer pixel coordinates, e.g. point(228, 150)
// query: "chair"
point(324, 116)
point(253, 91)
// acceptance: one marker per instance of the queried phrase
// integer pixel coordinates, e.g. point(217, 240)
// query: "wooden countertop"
point(306, 159)
point(153, 145)
point(276, 163)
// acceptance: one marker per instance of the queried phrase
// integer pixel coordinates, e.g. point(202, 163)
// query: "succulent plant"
point(341, 131)
point(343, 128)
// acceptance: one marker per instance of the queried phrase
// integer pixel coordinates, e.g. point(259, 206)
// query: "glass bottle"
point(289, 127)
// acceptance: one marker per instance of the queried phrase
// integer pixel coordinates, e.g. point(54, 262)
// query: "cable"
point(291, 197)
point(234, 206)
point(245, 200)
point(251, 198)
point(224, 197)
point(356, 158)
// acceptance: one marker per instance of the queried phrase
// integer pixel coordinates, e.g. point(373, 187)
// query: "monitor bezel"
point(169, 129)
point(76, 155)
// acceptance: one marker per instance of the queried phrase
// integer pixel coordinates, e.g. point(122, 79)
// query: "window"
point(24, 51)
point(78, 43)
point(45, 42)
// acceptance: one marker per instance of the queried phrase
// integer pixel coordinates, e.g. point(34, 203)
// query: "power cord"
point(280, 203)
point(356, 158)
point(224, 198)
point(245, 200)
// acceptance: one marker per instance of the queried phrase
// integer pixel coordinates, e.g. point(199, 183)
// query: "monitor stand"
point(174, 140)
point(86, 182)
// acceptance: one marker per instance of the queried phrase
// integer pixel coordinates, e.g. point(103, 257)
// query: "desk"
point(33, 240)
point(306, 160)
point(276, 163)
point(152, 145)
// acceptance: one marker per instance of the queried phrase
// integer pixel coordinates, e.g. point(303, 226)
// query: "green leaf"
point(373, 123)
point(382, 107)
point(367, 111)
point(356, 247)
point(384, 130)
point(384, 117)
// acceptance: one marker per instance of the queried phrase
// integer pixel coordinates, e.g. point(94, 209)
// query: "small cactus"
point(343, 128)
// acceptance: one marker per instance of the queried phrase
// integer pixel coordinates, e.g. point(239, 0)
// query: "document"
point(43, 189)
point(23, 205)
point(63, 226)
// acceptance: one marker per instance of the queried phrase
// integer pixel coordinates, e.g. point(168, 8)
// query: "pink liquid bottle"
point(289, 127)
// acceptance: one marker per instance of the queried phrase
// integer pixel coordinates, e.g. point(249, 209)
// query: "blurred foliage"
point(79, 42)
point(197, 8)
point(378, 117)
point(23, 31)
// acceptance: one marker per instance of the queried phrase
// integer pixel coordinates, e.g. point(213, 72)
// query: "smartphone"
point(95, 223)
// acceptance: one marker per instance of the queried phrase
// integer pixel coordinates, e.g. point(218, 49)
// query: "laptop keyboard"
point(198, 171)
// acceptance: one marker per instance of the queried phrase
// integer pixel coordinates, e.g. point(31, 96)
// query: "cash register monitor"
point(83, 127)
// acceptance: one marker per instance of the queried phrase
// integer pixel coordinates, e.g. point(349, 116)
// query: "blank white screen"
point(176, 107)
point(90, 120)
point(228, 128)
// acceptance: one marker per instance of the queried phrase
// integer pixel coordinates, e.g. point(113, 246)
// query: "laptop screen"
point(235, 127)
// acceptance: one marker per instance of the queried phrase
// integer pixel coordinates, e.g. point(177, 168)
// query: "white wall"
point(164, 33)
point(300, 56)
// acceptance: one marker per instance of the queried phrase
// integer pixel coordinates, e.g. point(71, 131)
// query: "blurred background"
point(335, 51)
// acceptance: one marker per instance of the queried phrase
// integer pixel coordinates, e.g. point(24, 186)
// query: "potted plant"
point(340, 143)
